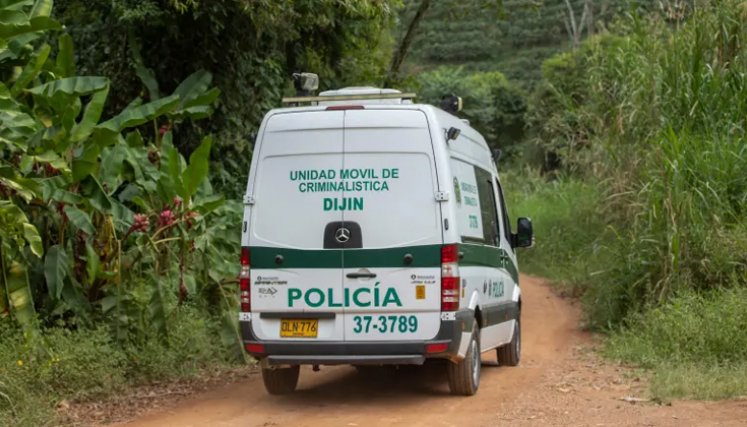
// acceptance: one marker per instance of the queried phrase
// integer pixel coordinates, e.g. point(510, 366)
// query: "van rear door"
point(294, 274)
point(392, 274)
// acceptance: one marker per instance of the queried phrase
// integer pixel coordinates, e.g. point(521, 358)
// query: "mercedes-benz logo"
point(342, 235)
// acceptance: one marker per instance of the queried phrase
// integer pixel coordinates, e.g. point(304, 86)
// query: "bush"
point(90, 364)
point(696, 344)
point(567, 224)
point(493, 105)
point(708, 329)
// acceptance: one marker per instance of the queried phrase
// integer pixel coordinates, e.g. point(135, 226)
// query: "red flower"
point(166, 218)
point(177, 201)
point(140, 224)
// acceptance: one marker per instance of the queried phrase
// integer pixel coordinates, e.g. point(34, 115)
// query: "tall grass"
point(653, 115)
point(656, 111)
point(567, 227)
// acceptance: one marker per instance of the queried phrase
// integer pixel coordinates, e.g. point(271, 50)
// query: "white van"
point(375, 232)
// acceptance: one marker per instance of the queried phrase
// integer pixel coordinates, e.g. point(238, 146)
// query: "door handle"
point(361, 275)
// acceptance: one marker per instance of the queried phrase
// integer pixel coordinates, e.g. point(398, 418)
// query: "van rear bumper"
point(414, 359)
point(362, 353)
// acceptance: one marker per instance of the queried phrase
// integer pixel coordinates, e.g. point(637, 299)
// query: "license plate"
point(299, 328)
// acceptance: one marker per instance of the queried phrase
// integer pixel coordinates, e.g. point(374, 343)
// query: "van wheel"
point(464, 376)
point(510, 354)
point(280, 380)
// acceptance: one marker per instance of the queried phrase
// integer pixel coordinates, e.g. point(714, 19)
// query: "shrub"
point(493, 106)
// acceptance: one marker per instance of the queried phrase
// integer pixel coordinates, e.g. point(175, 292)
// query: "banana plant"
point(94, 186)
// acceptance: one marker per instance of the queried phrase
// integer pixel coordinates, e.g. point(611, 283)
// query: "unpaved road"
point(559, 382)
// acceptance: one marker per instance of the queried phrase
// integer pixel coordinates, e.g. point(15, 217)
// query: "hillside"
point(514, 39)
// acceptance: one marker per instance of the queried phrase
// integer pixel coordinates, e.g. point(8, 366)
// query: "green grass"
point(89, 364)
point(695, 345)
point(567, 226)
point(699, 381)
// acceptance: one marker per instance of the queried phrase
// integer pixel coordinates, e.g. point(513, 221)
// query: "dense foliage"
point(103, 224)
point(251, 47)
point(649, 118)
point(492, 104)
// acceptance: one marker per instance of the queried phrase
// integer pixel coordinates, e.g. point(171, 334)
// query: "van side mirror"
point(524, 237)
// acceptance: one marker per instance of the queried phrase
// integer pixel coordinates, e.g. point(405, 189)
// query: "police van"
point(375, 232)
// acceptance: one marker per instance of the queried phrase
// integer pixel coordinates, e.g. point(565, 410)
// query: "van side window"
point(488, 210)
point(504, 212)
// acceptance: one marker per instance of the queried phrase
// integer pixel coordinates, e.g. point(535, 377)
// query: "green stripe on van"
point(422, 256)
point(477, 255)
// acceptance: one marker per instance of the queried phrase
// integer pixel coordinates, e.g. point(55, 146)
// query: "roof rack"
point(361, 97)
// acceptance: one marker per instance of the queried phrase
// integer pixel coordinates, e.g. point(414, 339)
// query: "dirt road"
point(559, 382)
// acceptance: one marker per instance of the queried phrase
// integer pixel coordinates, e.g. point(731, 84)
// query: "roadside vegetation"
point(644, 192)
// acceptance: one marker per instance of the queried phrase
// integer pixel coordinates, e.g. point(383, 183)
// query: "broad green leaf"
point(15, 4)
point(71, 86)
point(192, 87)
point(31, 234)
point(86, 162)
point(122, 216)
point(80, 220)
point(56, 267)
point(31, 70)
point(67, 109)
point(55, 190)
point(204, 99)
point(96, 195)
point(112, 165)
point(134, 139)
point(197, 170)
point(27, 188)
point(15, 47)
point(13, 17)
point(93, 263)
point(50, 157)
point(17, 127)
point(208, 204)
point(148, 77)
point(132, 117)
point(91, 116)
point(65, 56)
point(20, 297)
point(172, 164)
point(15, 23)
point(41, 8)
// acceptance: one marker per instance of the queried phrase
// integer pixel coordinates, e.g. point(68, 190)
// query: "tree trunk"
point(404, 45)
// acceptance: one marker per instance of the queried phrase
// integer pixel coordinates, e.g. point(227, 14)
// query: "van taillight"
point(244, 281)
point(449, 278)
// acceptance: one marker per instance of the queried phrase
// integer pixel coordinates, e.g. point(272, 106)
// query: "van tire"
point(464, 376)
point(510, 354)
point(280, 380)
